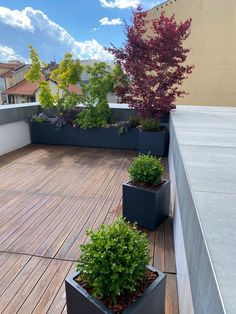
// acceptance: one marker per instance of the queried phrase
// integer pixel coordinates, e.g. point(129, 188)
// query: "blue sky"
point(54, 27)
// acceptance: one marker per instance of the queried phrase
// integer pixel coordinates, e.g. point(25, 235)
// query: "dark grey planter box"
point(46, 133)
point(153, 142)
point(147, 207)
point(79, 301)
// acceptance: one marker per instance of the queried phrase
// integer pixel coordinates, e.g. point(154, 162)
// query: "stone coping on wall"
point(203, 146)
point(20, 112)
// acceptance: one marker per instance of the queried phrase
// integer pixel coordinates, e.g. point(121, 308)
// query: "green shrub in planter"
point(146, 197)
point(146, 169)
point(150, 125)
point(134, 122)
point(115, 260)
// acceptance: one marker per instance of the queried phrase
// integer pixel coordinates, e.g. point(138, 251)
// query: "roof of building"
point(24, 87)
point(12, 69)
point(8, 65)
point(74, 89)
point(7, 74)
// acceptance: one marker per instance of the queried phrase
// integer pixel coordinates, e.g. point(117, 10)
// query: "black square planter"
point(153, 142)
point(79, 301)
point(145, 206)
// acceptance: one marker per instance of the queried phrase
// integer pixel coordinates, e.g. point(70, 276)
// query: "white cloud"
point(120, 4)
point(7, 54)
point(16, 18)
point(146, 4)
point(106, 21)
point(125, 4)
point(91, 49)
point(47, 36)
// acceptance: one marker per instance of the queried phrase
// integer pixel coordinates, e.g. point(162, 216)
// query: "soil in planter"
point(146, 186)
point(126, 299)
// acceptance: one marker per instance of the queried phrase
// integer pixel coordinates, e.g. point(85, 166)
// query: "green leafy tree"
point(46, 98)
point(102, 81)
point(35, 72)
point(68, 101)
point(68, 72)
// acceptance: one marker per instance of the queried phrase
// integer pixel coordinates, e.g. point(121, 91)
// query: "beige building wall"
point(3, 70)
point(17, 77)
point(213, 49)
point(54, 90)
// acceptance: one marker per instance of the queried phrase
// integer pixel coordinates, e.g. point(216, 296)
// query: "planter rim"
point(165, 182)
point(71, 279)
point(162, 130)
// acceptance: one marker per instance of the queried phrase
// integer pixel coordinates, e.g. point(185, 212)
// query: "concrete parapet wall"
point(198, 286)
point(14, 130)
point(15, 113)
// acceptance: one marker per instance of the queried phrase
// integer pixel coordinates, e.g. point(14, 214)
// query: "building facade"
point(11, 80)
point(213, 49)
point(15, 89)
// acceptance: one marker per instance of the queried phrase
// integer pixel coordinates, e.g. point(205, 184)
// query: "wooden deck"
point(49, 197)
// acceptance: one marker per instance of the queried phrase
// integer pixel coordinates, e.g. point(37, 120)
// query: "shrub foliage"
point(150, 125)
point(146, 169)
point(115, 260)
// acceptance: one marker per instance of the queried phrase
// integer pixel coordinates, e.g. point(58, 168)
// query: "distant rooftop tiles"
point(23, 88)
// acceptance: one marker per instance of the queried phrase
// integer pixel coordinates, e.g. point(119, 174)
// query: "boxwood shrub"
point(115, 259)
point(146, 169)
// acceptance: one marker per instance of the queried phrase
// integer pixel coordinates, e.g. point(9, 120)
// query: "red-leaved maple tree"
point(153, 59)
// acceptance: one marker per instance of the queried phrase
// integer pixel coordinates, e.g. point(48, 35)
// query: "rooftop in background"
point(74, 89)
point(9, 65)
point(23, 88)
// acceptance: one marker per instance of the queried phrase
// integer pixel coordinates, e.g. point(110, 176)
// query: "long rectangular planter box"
point(79, 301)
point(147, 207)
point(155, 143)
point(46, 133)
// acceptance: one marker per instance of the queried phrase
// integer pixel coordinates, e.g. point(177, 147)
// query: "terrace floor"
point(49, 197)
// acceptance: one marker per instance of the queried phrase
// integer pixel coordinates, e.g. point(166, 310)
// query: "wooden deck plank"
point(52, 289)
point(14, 227)
point(59, 302)
point(16, 284)
point(73, 253)
point(159, 248)
point(27, 230)
point(29, 294)
point(171, 304)
point(46, 280)
point(49, 197)
point(169, 247)
point(5, 281)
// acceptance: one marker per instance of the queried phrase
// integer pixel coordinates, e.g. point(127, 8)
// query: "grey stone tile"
point(211, 169)
point(217, 213)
